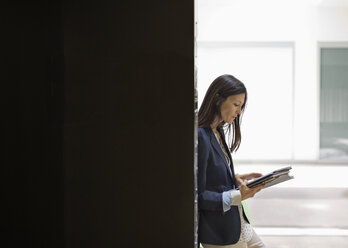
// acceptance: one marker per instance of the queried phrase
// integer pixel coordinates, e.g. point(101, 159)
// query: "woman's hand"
point(245, 177)
point(245, 191)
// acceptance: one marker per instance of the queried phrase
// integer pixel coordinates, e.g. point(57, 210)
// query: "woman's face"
point(232, 107)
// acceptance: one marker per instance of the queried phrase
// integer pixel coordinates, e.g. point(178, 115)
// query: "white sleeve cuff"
point(236, 197)
point(230, 198)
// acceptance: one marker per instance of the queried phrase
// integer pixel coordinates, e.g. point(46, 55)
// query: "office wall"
point(98, 120)
point(128, 140)
point(31, 135)
point(305, 24)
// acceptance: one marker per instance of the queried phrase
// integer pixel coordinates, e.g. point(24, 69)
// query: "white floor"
point(308, 211)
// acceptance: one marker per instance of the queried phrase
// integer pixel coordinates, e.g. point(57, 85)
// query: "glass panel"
point(334, 104)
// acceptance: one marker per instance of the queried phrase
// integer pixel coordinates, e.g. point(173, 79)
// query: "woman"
point(222, 221)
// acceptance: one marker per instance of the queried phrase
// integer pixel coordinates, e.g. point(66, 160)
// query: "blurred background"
point(292, 56)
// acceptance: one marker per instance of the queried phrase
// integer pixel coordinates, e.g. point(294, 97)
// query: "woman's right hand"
point(247, 192)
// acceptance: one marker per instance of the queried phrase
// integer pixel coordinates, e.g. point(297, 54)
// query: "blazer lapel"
point(229, 155)
point(218, 149)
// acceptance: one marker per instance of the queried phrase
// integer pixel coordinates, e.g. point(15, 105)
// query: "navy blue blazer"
point(214, 177)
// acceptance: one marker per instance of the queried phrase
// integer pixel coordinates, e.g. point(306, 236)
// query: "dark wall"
point(129, 123)
point(101, 143)
point(32, 125)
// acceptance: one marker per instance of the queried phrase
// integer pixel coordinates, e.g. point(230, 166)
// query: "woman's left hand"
point(246, 177)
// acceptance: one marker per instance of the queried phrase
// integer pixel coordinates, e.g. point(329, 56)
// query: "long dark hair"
point(221, 88)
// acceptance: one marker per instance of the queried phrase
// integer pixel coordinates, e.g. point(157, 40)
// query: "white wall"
point(303, 23)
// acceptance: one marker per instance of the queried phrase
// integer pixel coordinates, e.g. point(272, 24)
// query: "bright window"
point(334, 103)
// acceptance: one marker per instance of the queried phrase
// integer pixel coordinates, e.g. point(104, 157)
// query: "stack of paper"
point(272, 178)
